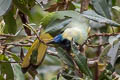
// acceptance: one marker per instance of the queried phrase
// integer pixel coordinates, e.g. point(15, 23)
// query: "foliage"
point(26, 27)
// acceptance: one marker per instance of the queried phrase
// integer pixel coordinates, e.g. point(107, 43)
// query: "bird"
point(77, 30)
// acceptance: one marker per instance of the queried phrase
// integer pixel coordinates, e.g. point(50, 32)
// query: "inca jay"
point(77, 30)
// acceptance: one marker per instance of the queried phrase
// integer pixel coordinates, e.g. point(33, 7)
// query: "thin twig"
point(4, 49)
point(103, 34)
point(99, 49)
point(27, 45)
point(28, 26)
point(113, 30)
point(94, 46)
point(7, 35)
point(53, 53)
point(16, 14)
point(97, 35)
point(9, 62)
point(96, 71)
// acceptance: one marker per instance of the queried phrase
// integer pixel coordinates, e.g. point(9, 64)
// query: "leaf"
point(113, 52)
point(107, 73)
point(90, 14)
point(56, 26)
point(48, 68)
point(109, 54)
point(102, 8)
point(61, 19)
point(113, 2)
point(6, 68)
point(41, 49)
point(31, 3)
point(52, 60)
point(68, 74)
point(67, 13)
point(116, 8)
point(22, 7)
point(43, 1)
point(58, 15)
point(2, 25)
point(15, 57)
point(117, 62)
point(97, 25)
point(113, 39)
point(10, 22)
point(81, 61)
point(33, 59)
point(1, 77)
point(65, 57)
point(103, 56)
point(18, 72)
point(4, 6)
point(47, 19)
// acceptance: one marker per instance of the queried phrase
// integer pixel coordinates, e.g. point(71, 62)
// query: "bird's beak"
point(51, 42)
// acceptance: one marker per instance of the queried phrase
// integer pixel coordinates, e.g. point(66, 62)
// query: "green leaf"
point(64, 56)
point(90, 14)
point(107, 73)
point(113, 2)
point(4, 6)
point(15, 57)
point(38, 14)
point(31, 3)
point(1, 77)
point(81, 61)
point(103, 56)
point(18, 72)
point(56, 26)
point(2, 57)
point(47, 19)
point(51, 60)
point(48, 68)
point(117, 63)
point(113, 52)
point(61, 19)
point(68, 74)
point(37, 51)
point(6, 68)
point(51, 17)
point(34, 55)
point(102, 8)
point(22, 7)
point(10, 22)
point(67, 13)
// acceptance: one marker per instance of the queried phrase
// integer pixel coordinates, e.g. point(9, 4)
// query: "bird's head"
point(56, 40)
point(59, 39)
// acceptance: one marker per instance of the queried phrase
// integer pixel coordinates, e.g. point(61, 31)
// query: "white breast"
point(76, 33)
